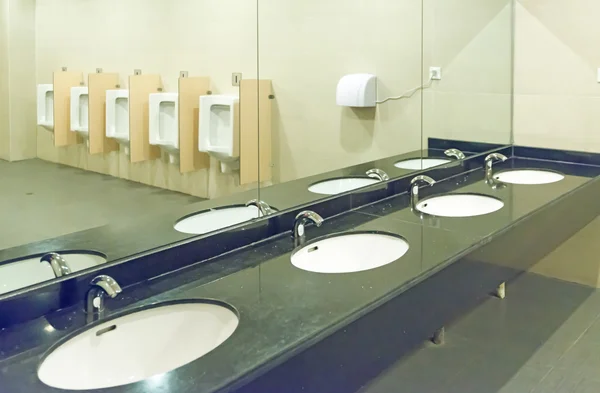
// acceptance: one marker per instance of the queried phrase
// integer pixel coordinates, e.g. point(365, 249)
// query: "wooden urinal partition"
point(97, 85)
point(190, 90)
point(63, 82)
point(255, 130)
point(140, 88)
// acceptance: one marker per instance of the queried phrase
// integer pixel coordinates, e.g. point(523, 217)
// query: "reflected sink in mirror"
point(418, 163)
point(139, 345)
point(459, 205)
point(341, 185)
point(215, 219)
point(28, 271)
point(529, 176)
point(348, 253)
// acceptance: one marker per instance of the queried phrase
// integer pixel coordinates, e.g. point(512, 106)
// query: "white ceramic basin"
point(213, 220)
point(459, 205)
point(418, 163)
point(354, 252)
point(338, 186)
point(529, 176)
point(138, 346)
point(30, 271)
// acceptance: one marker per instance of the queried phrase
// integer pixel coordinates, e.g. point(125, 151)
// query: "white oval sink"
point(529, 176)
point(459, 205)
point(418, 163)
point(213, 220)
point(338, 186)
point(30, 271)
point(350, 253)
point(138, 346)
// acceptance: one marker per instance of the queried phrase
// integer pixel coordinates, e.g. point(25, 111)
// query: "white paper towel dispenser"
point(357, 90)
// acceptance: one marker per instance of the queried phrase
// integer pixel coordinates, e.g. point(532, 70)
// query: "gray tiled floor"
point(544, 337)
point(41, 200)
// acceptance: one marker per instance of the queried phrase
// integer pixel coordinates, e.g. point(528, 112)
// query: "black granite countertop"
point(283, 309)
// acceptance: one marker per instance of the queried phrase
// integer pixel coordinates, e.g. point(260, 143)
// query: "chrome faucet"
point(378, 174)
point(102, 286)
point(489, 162)
point(302, 219)
point(59, 266)
point(459, 155)
point(263, 207)
point(414, 188)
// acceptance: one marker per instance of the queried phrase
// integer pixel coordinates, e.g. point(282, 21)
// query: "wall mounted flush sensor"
point(435, 73)
point(357, 91)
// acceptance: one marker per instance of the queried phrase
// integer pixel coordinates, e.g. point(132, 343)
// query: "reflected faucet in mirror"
point(489, 162)
point(459, 155)
point(378, 174)
point(301, 220)
point(414, 188)
point(59, 265)
point(101, 287)
point(263, 207)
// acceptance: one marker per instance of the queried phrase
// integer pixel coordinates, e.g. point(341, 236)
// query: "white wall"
point(17, 84)
point(472, 41)
point(557, 94)
point(4, 89)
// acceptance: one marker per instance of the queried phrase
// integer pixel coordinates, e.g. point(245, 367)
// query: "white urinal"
point(45, 106)
point(219, 129)
point(117, 116)
point(164, 123)
point(80, 110)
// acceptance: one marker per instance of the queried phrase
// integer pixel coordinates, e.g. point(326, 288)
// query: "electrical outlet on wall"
point(598, 77)
point(435, 73)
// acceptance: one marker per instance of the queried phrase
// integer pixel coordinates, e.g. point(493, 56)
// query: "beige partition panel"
point(255, 130)
point(140, 88)
point(190, 90)
point(97, 86)
point(63, 82)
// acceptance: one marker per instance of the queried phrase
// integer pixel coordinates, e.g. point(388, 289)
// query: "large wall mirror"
point(126, 126)
point(438, 77)
point(338, 71)
point(120, 121)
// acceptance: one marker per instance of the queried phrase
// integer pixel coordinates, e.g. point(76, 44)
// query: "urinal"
point(80, 110)
point(164, 123)
point(117, 117)
point(45, 106)
point(219, 130)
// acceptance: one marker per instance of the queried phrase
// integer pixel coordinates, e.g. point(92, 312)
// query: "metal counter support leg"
point(439, 337)
point(501, 291)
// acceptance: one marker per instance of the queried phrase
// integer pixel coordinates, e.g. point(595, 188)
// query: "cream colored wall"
point(472, 41)
point(557, 95)
point(204, 37)
point(306, 47)
point(17, 86)
point(575, 260)
point(22, 86)
point(4, 89)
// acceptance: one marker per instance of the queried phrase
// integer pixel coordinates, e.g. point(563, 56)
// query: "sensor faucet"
point(301, 220)
point(59, 265)
point(414, 188)
point(101, 287)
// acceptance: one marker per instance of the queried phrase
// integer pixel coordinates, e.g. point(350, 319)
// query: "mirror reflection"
point(373, 91)
point(187, 120)
point(124, 126)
